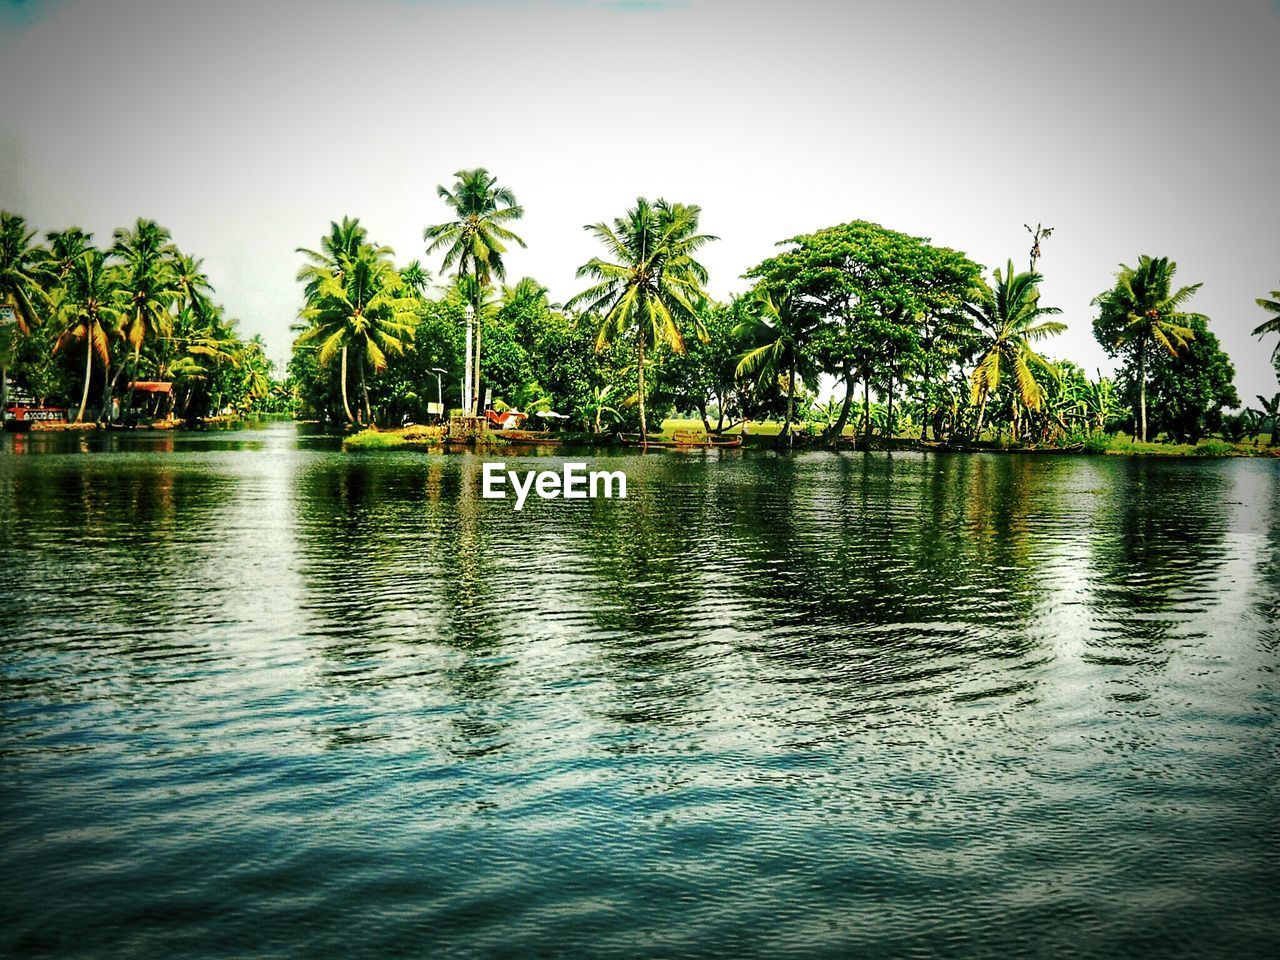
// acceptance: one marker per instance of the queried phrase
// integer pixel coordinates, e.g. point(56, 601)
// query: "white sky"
point(1131, 126)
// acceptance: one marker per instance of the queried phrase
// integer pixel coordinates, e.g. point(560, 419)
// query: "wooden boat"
point(539, 437)
point(682, 440)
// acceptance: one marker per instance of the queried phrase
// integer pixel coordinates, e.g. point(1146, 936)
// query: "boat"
point(682, 441)
point(539, 437)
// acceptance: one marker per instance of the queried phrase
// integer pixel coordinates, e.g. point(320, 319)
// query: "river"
point(261, 698)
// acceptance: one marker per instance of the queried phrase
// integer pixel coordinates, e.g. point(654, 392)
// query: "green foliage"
point(1141, 316)
point(1009, 320)
point(1214, 448)
point(885, 300)
point(1187, 392)
point(652, 287)
point(140, 308)
point(1271, 306)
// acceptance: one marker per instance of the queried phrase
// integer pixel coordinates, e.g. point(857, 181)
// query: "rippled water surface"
point(259, 698)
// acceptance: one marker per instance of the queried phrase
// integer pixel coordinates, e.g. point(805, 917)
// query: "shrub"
point(1214, 448)
point(373, 440)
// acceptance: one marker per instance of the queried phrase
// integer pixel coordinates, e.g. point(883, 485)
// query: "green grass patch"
point(373, 440)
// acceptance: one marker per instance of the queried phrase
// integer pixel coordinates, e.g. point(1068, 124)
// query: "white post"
point(468, 401)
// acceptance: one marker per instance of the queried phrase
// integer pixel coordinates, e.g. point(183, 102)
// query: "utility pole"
point(1039, 233)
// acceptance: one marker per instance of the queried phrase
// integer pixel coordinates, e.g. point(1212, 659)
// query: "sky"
point(1129, 126)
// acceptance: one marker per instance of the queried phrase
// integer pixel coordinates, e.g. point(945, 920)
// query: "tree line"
point(85, 323)
point(917, 337)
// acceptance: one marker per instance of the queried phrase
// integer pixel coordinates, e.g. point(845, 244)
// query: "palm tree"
point(342, 245)
point(779, 329)
point(1271, 411)
point(1273, 325)
point(149, 287)
point(476, 240)
point(651, 285)
point(416, 279)
point(1142, 309)
point(89, 310)
point(1009, 319)
point(65, 247)
point(23, 273)
point(363, 309)
point(191, 283)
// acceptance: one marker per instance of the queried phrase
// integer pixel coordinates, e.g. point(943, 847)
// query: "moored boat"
point(681, 441)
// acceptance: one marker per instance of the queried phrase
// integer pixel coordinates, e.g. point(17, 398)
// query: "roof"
point(151, 386)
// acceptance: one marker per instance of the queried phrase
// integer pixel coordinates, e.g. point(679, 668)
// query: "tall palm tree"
point(192, 283)
point(476, 239)
point(23, 276)
point(149, 287)
point(652, 284)
point(1143, 309)
point(1009, 319)
point(1273, 325)
point(363, 310)
point(344, 242)
point(779, 327)
point(89, 310)
point(65, 247)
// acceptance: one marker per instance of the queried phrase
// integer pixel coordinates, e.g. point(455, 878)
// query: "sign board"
point(488, 397)
point(435, 409)
point(7, 315)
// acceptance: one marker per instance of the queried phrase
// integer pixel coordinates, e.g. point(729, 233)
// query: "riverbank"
point(769, 437)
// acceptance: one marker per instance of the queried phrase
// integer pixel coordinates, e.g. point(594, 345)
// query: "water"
point(259, 698)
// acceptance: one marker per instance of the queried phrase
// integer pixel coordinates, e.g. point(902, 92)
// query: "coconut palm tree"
point(65, 247)
point(149, 287)
point(344, 242)
point(363, 310)
point(1009, 319)
point(779, 327)
point(1272, 306)
point(1143, 310)
point(89, 310)
point(191, 283)
point(416, 279)
point(475, 240)
point(652, 284)
point(23, 276)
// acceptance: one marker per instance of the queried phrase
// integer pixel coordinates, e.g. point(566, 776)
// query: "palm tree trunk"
point(1142, 388)
point(837, 428)
point(791, 397)
point(644, 427)
point(107, 382)
point(133, 379)
point(888, 424)
point(364, 393)
point(346, 406)
point(866, 408)
point(88, 372)
point(982, 413)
